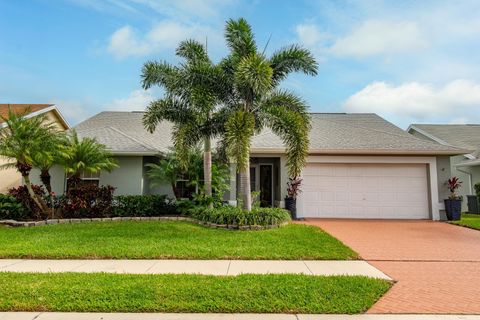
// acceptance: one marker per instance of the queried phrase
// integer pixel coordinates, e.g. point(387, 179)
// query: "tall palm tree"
point(256, 102)
point(21, 140)
point(191, 102)
point(85, 155)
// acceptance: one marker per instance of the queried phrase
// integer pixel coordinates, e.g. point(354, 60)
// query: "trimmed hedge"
point(228, 215)
point(144, 206)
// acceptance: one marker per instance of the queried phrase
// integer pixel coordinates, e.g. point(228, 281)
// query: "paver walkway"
point(208, 267)
point(437, 265)
point(217, 316)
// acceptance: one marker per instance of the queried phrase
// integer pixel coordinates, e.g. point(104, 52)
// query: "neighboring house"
point(467, 136)
point(359, 166)
point(11, 178)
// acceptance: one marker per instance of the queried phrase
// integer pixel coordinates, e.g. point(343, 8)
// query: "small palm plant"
point(85, 155)
point(22, 141)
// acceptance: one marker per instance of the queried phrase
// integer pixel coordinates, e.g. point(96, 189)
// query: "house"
point(467, 136)
point(10, 178)
point(359, 166)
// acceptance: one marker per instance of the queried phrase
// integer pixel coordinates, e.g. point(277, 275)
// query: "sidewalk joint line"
point(305, 263)
point(15, 263)
point(38, 315)
point(153, 264)
point(228, 268)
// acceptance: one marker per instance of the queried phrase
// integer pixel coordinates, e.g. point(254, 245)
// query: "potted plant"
point(293, 189)
point(453, 205)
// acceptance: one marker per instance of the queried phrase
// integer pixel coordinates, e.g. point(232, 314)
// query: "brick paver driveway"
point(436, 265)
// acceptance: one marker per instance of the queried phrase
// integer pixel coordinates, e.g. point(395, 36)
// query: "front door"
point(266, 185)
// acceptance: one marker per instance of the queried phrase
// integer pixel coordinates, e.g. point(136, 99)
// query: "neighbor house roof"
point(31, 110)
point(332, 133)
point(461, 135)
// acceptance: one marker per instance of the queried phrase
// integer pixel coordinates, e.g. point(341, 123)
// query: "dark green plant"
point(144, 206)
point(229, 215)
point(87, 201)
point(31, 207)
point(10, 208)
point(477, 189)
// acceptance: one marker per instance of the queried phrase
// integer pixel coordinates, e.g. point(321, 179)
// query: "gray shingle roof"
point(462, 135)
point(123, 132)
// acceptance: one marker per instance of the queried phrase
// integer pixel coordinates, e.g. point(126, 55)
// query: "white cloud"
point(125, 42)
point(73, 111)
point(375, 37)
point(455, 100)
point(137, 100)
point(309, 34)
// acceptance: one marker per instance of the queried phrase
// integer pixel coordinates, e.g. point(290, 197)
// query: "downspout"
point(469, 174)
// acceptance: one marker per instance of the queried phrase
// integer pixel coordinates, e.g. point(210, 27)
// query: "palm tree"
point(190, 103)
point(54, 147)
point(21, 139)
point(85, 155)
point(170, 169)
point(256, 102)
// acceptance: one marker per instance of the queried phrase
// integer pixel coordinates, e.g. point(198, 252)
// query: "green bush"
point(228, 215)
point(477, 189)
point(144, 206)
point(10, 208)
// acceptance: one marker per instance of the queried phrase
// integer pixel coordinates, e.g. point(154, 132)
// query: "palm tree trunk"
point(245, 191)
point(46, 180)
point(38, 201)
point(207, 169)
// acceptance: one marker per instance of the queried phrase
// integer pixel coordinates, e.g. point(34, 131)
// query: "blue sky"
point(409, 61)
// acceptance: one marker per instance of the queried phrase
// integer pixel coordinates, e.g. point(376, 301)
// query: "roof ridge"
point(132, 138)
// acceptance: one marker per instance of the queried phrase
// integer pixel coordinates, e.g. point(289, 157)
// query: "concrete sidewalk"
point(217, 316)
point(206, 267)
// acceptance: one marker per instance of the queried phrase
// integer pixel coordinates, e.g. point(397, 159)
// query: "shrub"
point(10, 208)
point(144, 206)
point(32, 211)
point(477, 189)
point(87, 201)
point(236, 216)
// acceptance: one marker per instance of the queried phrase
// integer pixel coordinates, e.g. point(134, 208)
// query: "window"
point(185, 191)
point(86, 178)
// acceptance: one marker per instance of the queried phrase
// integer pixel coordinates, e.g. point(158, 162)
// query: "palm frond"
point(192, 51)
point(292, 59)
point(169, 108)
point(293, 127)
point(239, 130)
point(254, 73)
point(239, 37)
point(158, 73)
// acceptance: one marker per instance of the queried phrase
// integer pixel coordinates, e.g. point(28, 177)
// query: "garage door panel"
point(366, 191)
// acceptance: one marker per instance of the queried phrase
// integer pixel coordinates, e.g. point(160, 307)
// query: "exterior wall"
point(57, 179)
point(9, 178)
point(475, 175)
point(444, 173)
point(148, 186)
point(467, 185)
point(127, 178)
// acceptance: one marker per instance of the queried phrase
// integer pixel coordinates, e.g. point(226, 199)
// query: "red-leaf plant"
point(293, 187)
point(453, 184)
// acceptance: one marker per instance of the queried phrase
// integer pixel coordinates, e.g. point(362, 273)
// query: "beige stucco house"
point(464, 166)
point(10, 178)
point(359, 166)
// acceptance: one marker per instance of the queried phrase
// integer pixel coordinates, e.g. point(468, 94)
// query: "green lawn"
point(101, 292)
point(168, 240)
point(469, 220)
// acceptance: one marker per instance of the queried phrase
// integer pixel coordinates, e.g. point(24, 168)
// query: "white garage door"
point(369, 191)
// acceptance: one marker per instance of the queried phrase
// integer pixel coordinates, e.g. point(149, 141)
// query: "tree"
point(191, 102)
point(21, 140)
point(54, 150)
point(256, 102)
point(85, 155)
point(170, 169)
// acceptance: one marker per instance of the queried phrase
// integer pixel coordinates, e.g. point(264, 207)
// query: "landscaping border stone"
point(14, 223)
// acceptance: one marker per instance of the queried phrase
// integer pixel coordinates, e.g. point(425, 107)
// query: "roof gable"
point(462, 135)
